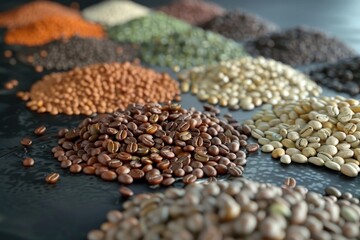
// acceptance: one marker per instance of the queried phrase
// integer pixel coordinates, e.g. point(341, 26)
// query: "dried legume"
point(247, 83)
point(157, 143)
point(323, 131)
point(239, 209)
point(142, 29)
point(100, 88)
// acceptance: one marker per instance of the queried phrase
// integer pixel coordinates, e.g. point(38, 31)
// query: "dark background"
point(31, 209)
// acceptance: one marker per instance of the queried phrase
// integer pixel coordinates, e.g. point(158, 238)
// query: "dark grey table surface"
point(31, 209)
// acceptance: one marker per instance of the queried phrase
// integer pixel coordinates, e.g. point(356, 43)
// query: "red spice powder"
point(33, 11)
point(52, 28)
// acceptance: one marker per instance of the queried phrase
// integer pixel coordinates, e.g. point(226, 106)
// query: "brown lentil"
point(100, 88)
point(155, 142)
point(239, 209)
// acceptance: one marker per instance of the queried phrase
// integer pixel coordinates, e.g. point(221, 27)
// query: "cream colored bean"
point(286, 159)
point(338, 160)
point(340, 135)
point(330, 149)
point(333, 165)
point(309, 152)
point(278, 152)
point(324, 156)
point(293, 136)
point(355, 144)
point(345, 153)
point(267, 148)
point(314, 145)
point(263, 141)
point(288, 143)
point(299, 158)
point(292, 151)
point(316, 161)
point(256, 133)
point(332, 141)
point(343, 146)
point(301, 143)
point(349, 170)
point(276, 144)
point(313, 139)
point(306, 131)
point(316, 125)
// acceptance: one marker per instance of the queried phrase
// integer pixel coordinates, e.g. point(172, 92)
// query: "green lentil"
point(142, 29)
point(190, 48)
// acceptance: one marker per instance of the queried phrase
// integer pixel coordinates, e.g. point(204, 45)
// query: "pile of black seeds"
point(299, 46)
point(240, 26)
point(343, 76)
point(77, 52)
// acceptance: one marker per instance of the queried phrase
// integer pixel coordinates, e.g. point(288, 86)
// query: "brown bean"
point(52, 178)
point(168, 181)
point(190, 178)
point(235, 171)
point(108, 175)
point(199, 173)
point(126, 192)
point(40, 130)
point(90, 170)
point(122, 170)
point(290, 182)
point(136, 173)
point(65, 164)
point(209, 171)
point(155, 179)
point(252, 147)
point(125, 179)
point(28, 162)
point(26, 142)
point(75, 168)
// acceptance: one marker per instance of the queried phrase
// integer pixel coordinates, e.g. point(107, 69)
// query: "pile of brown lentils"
point(99, 88)
point(239, 209)
point(247, 83)
point(323, 131)
point(155, 142)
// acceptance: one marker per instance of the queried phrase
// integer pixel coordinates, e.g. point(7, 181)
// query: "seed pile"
point(299, 46)
point(143, 29)
point(77, 52)
point(343, 76)
point(189, 49)
point(247, 83)
point(195, 12)
point(34, 11)
point(322, 131)
point(239, 25)
point(113, 12)
point(51, 28)
point(238, 209)
point(100, 88)
point(157, 143)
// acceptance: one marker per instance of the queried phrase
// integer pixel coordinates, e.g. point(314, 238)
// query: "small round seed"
point(28, 162)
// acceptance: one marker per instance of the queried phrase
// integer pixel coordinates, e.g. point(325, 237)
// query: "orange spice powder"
point(33, 11)
point(52, 28)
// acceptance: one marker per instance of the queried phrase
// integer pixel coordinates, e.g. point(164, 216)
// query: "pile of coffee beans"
point(156, 143)
point(189, 49)
point(195, 12)
point(343, 76)
point(77, 52)
point(322, 131)
point(239, 25)
point(238, 209)
point(99, 88)
point(113, 12)
point(32, 12)
point(52, 28)
point(247, 83)
point(142, 29)
point(299, 46)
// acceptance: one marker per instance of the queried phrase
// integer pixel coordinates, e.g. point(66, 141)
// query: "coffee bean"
point(126, 192)
point(122, 170)
point(209, 171)
point(26, 142)
point(235, 171)
point(90, 170)
point(253, 147)
point(290, 182)
point(108, 175)
point(52, 178)
point(168, 181)
point(75, 168)
point(125, 179)
point(40, 130)
point(190, 178)
point(66, 164)
point(155, 179)
point(136, 173)
point(28, 162)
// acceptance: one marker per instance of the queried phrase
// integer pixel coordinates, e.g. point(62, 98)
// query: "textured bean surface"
point(157, 143)
point(239, 25)
point(100, 88)
point(235, 209)
point(77, 52)
point(323, 131)
point(299, 46)
point(195, 12)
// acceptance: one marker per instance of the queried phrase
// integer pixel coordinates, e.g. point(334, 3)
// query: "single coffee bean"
point(190, 178)
point(108, 175)
point(125, 179)
point(290, 182)
point(253, 147)
point(136, 173)
point(235, 171)
point(126, 192)
point(209, 171)
point(75, 168)
point(26, 142)
point(155, 179)
point(40, 130)
point(52, 178)
point(28, 162)
point(66, 164)
point(90, 170)
point(168, 181)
